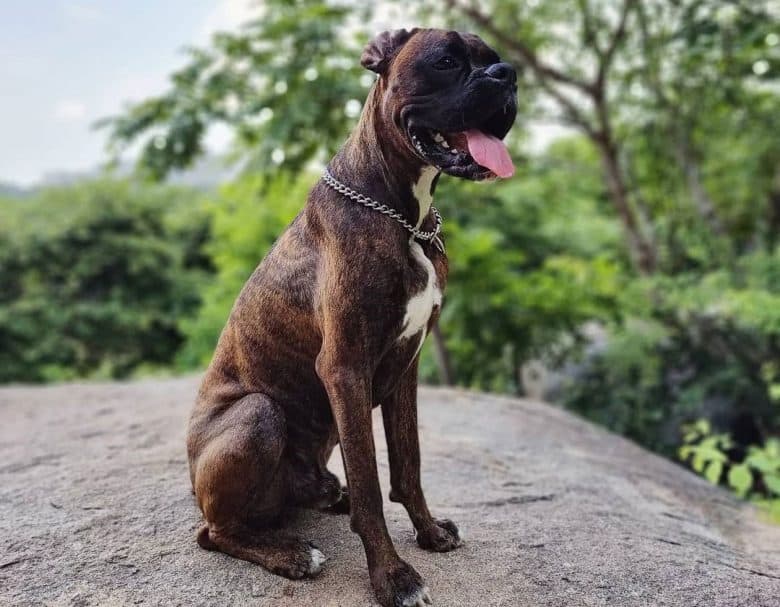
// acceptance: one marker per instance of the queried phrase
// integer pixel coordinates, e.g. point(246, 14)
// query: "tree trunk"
point(442, 355)
point(642, 251)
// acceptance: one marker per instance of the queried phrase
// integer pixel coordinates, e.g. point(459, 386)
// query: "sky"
point(66, 63)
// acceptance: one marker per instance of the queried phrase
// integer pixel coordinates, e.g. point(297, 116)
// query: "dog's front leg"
point(394, 581)
point(399, 413)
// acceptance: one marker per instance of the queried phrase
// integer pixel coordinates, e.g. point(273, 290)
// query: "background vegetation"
point(635, 261)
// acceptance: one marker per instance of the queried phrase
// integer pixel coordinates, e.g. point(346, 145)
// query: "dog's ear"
point(380, 51)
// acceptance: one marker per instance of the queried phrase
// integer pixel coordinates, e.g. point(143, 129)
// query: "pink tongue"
point(490, 152)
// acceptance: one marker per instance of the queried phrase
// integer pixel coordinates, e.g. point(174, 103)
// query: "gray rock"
point(96, 509)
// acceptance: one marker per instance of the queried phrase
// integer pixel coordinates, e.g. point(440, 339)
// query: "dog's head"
point(447, 97)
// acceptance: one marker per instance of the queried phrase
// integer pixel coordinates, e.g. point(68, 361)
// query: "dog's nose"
point(502, 71)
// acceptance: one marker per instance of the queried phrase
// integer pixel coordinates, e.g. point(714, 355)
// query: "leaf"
point(759, 460)
point(740, 479)
point(711, 452)
point(772, 481)
point(713, 472)
point(774, 393)
point(698, 462)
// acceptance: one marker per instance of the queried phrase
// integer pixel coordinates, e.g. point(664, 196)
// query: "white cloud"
point(81, 11)
point(229, 14)
point(69, 110)
point(134, 87)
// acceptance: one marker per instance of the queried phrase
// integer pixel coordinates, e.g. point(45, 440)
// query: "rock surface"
point(95, 509)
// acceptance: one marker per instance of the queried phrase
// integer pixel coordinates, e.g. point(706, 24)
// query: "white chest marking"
point(420, 305)
point(422, 191)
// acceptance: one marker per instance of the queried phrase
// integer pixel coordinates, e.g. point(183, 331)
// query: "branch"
point(650, 66)
point(571, 110)
point(617, 37)
point(588, 33)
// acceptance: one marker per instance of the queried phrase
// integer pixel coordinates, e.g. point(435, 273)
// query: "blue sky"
point(66, 63)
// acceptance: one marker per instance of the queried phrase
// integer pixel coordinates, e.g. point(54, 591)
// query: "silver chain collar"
point(386, 210)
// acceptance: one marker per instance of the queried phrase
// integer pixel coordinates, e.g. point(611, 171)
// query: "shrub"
point(95, 279)
point(753, 474)
point(691, 347)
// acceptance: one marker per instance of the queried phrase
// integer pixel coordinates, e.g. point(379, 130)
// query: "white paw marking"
point(460, 536)
point(421, 598)
point(317, 560)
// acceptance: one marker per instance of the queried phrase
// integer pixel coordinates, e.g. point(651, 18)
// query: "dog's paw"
point(418, 598)
point(442, 536)
point(300, 560)
point(317, 561)
point(401, 586)
point(322, 494)
point(341, 506)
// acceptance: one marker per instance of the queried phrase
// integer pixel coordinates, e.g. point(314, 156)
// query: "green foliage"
point(95, 277)
point(706, 453)
point(245, 217)
point(522, 274)
point(754, 475)
point(691, 346)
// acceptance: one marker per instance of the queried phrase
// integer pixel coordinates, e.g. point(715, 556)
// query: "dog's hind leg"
point(311, 484)
point(282, 555)
point(240, 483)
point(342, 505)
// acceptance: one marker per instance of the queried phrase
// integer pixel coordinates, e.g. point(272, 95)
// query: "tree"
point(702, 75)
point(692, 62)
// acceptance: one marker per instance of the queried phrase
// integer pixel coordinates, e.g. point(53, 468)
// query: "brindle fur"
point(311, 345)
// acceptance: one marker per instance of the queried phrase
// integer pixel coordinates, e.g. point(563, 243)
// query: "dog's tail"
point(204, 541)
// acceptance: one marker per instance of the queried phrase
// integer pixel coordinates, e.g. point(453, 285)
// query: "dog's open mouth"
point(473, 153)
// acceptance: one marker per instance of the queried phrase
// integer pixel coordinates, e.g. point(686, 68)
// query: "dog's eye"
point(446, 63)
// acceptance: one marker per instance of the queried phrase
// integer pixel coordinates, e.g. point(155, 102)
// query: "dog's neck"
point(384, 168)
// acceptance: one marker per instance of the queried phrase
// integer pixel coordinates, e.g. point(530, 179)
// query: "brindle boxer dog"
point(331, 323)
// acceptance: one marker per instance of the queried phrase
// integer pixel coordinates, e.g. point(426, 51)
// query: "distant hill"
point(206, 174)
point(11, 190)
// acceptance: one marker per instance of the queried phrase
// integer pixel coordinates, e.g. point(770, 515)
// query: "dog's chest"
point(424, 298)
